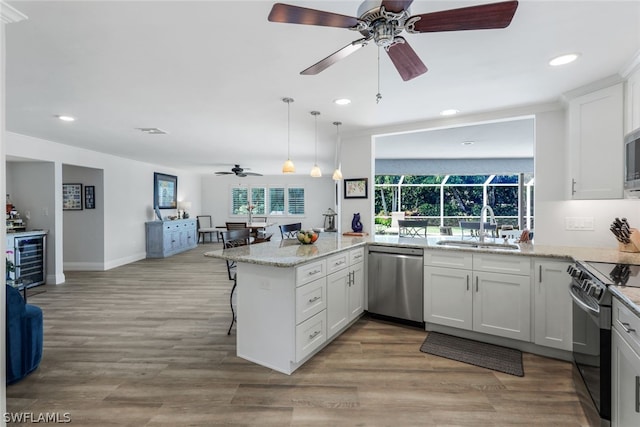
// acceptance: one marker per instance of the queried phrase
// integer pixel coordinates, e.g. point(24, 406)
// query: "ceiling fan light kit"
point(288, 166)
point(385, 22)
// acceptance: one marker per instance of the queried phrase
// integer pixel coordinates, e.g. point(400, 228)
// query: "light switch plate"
point(581, 223)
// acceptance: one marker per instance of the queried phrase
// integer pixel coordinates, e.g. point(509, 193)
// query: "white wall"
point(83, 243)
point(551, 204)
point(216, 200)
point(31, 187)
point(127, 195)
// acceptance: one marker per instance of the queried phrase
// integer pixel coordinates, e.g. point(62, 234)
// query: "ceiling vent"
point(152, 131)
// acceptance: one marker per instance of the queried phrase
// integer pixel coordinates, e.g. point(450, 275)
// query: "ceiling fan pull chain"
point(378, 95)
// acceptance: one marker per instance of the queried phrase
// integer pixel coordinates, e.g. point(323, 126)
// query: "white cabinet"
point(345, 290)
point(625, 367)
point(552, 304)
point(596, 144)
point(479, 299)
point(447, 296)
point(632, 102)
point(286, 315)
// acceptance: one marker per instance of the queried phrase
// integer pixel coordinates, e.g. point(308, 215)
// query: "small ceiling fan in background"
point(385, 22)
point(238, 171)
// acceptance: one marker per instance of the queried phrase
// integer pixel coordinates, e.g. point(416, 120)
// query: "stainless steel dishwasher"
point(396, 282)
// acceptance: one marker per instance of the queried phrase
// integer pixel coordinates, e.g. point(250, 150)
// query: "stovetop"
point(618, 274)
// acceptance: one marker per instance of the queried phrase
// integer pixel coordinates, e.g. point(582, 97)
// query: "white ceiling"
point(213, 73)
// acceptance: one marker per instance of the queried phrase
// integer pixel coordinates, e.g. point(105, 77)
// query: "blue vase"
point(356, 225)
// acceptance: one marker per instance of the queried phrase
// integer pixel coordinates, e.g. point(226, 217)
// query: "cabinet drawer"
point(310, 335)
point(450, 259)
point(311, 299)
point(337, 262)
point(520, 265)
point(356, 256)
point(625, 321)
point(309, 272)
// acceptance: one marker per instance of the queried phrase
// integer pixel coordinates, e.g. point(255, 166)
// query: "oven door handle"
point(576, 297)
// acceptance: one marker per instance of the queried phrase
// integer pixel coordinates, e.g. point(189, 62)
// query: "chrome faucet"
point(492, 221)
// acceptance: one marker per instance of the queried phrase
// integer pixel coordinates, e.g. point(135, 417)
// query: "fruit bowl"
point(307, 237)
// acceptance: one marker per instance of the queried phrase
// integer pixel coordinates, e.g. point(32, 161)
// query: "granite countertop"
point(27, 233)
point(289, 253)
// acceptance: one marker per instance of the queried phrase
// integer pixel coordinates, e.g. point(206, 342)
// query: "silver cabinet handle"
point(573, 186)
point(337, 263)
point(314, 299)
point(627, 327)
point(467, 282)
point(637, 393)
point(313, 335)
point(540, 274)
point(477, 283)
point(311, 273)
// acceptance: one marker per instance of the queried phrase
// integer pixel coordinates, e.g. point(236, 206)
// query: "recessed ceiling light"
point(66, 118)
point(342, 101)
point(563, 59)
point(467, 142)
point(450, 112)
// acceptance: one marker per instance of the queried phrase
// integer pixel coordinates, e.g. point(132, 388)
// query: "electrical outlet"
point(579, 223)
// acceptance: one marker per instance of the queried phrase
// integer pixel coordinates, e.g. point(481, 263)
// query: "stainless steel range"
point(592, 335)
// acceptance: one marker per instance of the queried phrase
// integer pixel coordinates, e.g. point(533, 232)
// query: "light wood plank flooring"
point(146, 344)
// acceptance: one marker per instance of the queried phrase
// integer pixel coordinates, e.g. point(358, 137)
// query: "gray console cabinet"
point(166, 238)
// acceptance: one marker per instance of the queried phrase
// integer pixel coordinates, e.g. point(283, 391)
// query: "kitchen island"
point(286, 313)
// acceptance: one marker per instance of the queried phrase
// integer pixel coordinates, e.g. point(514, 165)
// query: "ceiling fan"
point(238, 171)
point(385, 22)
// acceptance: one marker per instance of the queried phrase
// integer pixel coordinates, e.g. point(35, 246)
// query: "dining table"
point(256, 229)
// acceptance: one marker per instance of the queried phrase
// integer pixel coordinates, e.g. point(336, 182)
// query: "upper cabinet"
point(596, 144)
point(632, 102)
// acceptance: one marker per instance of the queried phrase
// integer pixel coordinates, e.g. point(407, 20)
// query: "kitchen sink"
point(478, 245)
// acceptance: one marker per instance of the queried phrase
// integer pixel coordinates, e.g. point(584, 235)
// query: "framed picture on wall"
point(72, 197)
point(355, 188)
point(90, 197)
point(165, 191)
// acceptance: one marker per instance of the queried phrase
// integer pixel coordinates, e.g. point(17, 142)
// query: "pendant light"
point(315, 171)
point(288, 166)
point(337, 174)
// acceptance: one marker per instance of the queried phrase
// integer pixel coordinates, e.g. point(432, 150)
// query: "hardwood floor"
point(146, 344)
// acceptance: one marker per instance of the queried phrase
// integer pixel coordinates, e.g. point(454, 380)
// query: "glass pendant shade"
point(337, 175)
point(316, 172)
point(288, 166)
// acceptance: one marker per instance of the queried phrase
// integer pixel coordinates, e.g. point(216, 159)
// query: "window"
point(272, 201)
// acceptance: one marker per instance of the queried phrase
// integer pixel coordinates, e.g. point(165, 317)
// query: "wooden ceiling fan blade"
point(301, 15)
point(405, 59)
point(334, 57)
point(396, 6)
point(483, 17)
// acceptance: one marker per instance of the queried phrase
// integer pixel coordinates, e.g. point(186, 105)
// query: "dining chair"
point(205, 226)
point(412, 228)
point(290, 231)
point(234, 239)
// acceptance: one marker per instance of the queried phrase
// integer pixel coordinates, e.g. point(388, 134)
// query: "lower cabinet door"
point(502, 305)
point(356, 291)
point(448, 297)
point(337, 301)
point(310, 335)
point(625, 383)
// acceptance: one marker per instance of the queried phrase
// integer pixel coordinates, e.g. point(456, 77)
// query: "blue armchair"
point(23, 335)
